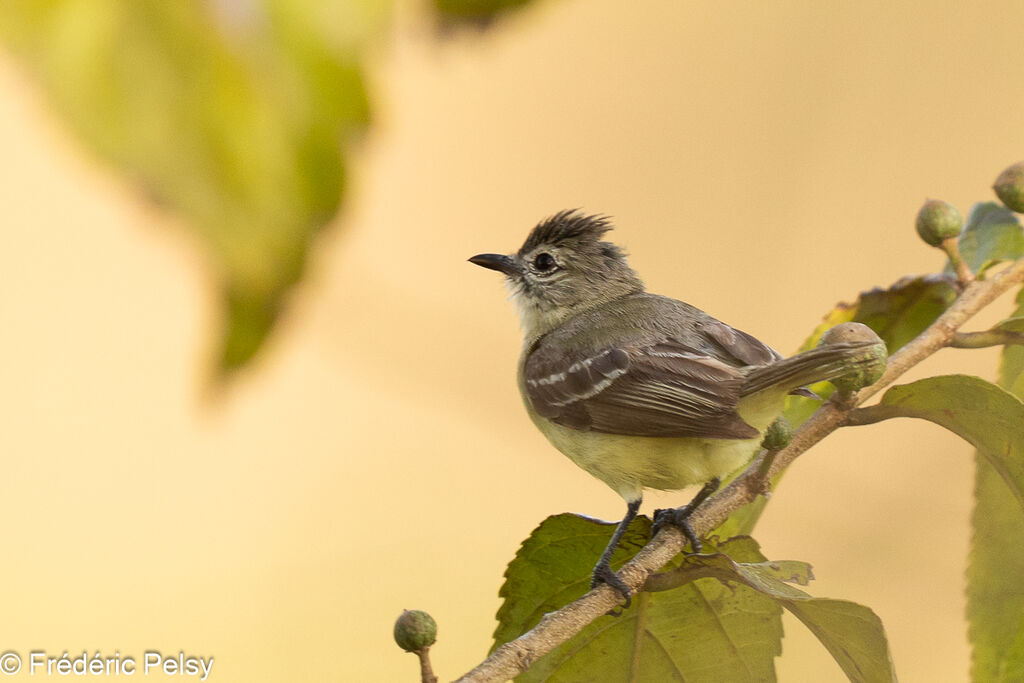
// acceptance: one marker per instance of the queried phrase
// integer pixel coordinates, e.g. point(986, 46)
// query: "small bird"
point(640, 390)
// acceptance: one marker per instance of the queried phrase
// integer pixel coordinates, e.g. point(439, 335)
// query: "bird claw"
point(680, 518)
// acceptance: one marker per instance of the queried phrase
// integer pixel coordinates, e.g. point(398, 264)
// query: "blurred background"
point(762, 161)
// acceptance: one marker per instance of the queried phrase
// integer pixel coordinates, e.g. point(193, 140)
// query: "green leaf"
point(715, 618)
point(1015, 324)
point(988, 417)
point(993, 234)
point(232, 116)
point(852, 633)
point(703, 631)
point(991, 419)
point(995, 593)
point(897, 314)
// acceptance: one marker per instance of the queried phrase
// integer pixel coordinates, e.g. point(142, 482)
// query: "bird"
point(642, 391)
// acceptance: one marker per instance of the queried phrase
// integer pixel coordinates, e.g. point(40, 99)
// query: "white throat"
point(536, 320)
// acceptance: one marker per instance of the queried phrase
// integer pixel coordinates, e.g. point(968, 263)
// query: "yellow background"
point(762, 161)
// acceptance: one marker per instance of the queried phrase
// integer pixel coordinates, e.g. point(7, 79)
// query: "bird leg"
point(603, 570)
point(680, 517)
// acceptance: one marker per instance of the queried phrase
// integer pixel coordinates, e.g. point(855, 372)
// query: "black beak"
point(498, 262)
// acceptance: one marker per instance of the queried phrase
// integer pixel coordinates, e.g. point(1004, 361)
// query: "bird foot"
point(603, 574)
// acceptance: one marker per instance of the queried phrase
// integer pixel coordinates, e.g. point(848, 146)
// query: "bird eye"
point(544, 262)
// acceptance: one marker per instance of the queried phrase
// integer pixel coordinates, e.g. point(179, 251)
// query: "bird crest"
point(565, 228)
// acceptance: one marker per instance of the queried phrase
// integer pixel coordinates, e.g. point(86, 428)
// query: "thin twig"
point(980, 340)
point(426, 671)
point(680, 576)
point(951, 245)
point(557, 627)
point(870, 415)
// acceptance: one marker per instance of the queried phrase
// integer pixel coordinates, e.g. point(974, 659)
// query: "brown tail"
point(821, 363)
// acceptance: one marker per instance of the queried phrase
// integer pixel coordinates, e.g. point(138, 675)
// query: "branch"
point(555, 628)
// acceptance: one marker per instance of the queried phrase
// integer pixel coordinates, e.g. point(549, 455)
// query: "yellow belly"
point(629, 464)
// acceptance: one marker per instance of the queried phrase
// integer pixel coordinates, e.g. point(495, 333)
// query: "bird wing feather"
point(662, 389)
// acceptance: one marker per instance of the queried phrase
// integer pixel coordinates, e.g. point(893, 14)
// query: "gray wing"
point(663, 389)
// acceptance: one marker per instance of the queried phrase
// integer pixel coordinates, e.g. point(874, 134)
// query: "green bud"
point(938, 220)
point(1009, 187)
point(778, 435)
point(415, 630)
point(868, 368)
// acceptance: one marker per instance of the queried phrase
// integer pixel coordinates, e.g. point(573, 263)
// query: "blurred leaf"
point(233, 115)
point(993, 233)
point(995, 593)
point(703, 631)
point(995, 596)
point(744, 520)
point(479, 13)
point(897, 315)
point(1011, 370)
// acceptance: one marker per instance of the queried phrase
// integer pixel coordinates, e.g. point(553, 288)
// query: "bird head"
point(562, 269)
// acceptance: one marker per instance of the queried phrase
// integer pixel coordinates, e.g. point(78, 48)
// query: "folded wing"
point(664, 390)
